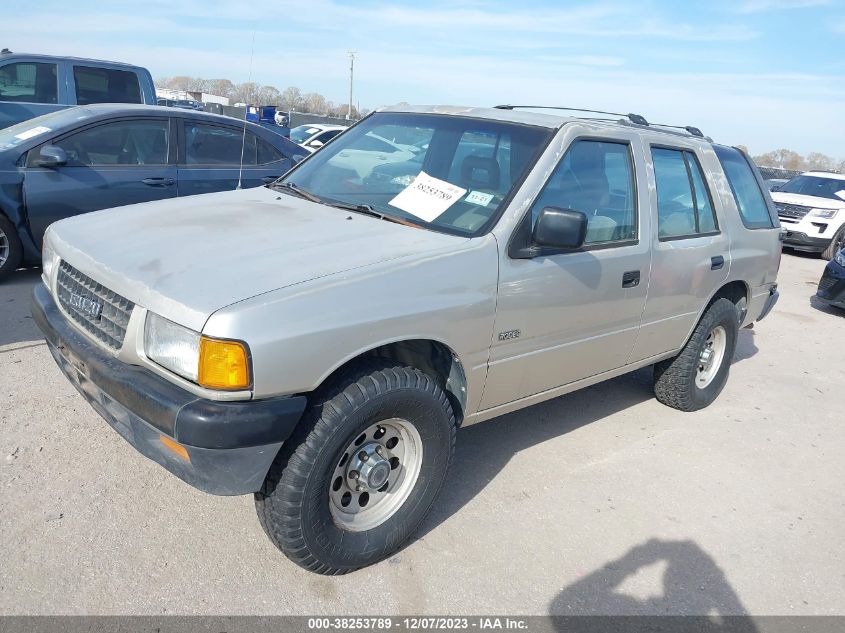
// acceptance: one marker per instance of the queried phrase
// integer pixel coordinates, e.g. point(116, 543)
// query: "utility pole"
point(351, 74)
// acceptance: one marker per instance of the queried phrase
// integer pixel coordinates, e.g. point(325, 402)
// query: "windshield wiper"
point(296, 190)
point(367, 209)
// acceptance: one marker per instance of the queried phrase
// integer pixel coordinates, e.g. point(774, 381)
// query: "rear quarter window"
point(746, 189)
point(106, 85)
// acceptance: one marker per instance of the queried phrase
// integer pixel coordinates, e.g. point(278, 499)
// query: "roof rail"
point(638, 119)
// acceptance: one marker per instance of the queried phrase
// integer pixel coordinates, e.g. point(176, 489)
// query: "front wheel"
point(695, 377)
point(362, 470)
point(835, 245)
point(11, 251)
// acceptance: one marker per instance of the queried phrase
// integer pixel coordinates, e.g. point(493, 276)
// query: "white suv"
point(811, 208)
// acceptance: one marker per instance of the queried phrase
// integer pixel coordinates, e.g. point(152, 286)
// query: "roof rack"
point(636, 119)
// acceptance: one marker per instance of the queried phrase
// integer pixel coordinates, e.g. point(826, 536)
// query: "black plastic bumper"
point(831, 288)
point(771, 300)
point(230, 445)
point(803, 242)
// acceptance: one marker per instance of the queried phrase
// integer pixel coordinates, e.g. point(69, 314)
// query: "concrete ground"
point(602, 501)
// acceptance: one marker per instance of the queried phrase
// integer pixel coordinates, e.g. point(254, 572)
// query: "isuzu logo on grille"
point(86, 305)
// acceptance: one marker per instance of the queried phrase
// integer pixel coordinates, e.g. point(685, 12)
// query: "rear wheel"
point(362, 470)
point(695, 377)
point(835, 245)
point(11, 251)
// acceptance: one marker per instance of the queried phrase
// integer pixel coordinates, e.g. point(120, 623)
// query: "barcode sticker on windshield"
point(427, 197)
point(33, 131)
point(479, 197)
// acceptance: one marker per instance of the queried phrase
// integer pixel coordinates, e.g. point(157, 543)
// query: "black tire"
point(835, 245)
point(293, 504)
point(13, 243)
point(674, 378)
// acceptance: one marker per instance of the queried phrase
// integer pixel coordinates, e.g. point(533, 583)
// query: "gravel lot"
point(602, 501)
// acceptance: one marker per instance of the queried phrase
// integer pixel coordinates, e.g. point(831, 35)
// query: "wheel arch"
point(434, 357)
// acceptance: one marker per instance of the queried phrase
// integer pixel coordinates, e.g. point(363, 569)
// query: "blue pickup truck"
point(32, 85)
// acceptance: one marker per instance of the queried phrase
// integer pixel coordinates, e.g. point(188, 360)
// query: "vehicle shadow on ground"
point(692, 584)
point(745, 345)
point(16, 323)
point(483, 450)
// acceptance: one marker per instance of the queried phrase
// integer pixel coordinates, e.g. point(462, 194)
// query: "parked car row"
point(108, 155)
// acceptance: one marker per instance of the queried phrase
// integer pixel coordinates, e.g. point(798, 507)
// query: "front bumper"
point(832, 285)
point(230, 445)
point(802, 242)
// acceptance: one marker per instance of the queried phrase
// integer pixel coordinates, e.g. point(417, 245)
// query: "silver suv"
point(319, 341)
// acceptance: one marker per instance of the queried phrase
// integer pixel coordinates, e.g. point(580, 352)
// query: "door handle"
point(269, 179)
point(631, 279)
point(717, 262)
point(158, 182)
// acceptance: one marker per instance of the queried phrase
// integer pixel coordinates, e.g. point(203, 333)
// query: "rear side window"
point(214, 145)
point(749, 197)
point(29, 82)
point(596, 178)
point(267, 153)
point(684, 204)
point(139, 142)
point(104, 85)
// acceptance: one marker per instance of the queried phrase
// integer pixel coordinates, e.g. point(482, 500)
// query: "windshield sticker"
point(479, 197)
point(427, 197)
point(35, 131)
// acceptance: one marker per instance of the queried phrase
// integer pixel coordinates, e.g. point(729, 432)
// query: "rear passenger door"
point(109, 165)
point(691, 252)
point(563, 316)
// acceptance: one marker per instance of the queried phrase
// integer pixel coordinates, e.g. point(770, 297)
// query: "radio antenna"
point(246, 113)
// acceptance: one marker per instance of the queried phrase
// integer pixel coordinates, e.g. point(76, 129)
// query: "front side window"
point(596, 178)
point(684, 205)
point(453, 173)
point(215, 145)
point(141, 142)
point(29, 82)
point(746, 190)
point(104, 85)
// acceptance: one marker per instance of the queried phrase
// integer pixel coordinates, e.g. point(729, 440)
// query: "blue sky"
point(765, 73)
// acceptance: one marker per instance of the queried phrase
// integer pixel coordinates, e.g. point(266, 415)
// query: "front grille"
point(826, 283)
point(96, 309)
point(791, 212)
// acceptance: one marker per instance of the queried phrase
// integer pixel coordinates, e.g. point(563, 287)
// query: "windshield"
point(20, 132)
point(446, 173)
point(303, 133)
point(816, 186)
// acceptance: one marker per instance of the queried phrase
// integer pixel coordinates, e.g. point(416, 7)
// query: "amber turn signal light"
point(223, 364)
point(176, 447)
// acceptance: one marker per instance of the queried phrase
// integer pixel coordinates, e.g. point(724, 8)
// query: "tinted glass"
point(214, 145)
point(267, 153)
point(595, 178)
point(103, 85)
point(479, 160)
point(747, 193)
point(29, 82)
point(675, 209)
point(816, 186)
point(119, 143)
point(706, 213)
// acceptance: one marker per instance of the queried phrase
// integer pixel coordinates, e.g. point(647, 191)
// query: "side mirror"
point(51, 156)
point(775, 188)
point(315, 144)
point(560, 228)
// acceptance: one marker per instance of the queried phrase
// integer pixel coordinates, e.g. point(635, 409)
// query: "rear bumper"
point(771, 300)
point(831, 288)
point(803, 242)
point(230, 445)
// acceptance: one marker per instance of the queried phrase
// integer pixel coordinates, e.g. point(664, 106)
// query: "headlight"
point(48, 261)
point(212, 363)
point(824, 213)
point(840, 257)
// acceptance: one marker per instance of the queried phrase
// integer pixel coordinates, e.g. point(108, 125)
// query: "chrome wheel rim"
point(375, 475)
point(710, 359)
point(4, 248)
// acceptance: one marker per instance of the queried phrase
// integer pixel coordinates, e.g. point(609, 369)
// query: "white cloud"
point(759, 6)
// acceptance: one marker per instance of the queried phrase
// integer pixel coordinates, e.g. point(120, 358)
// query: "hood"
point(188, 257)
point(807, 201)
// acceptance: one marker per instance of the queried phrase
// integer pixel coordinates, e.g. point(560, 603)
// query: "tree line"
point(289, 99)
point(789, 159)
